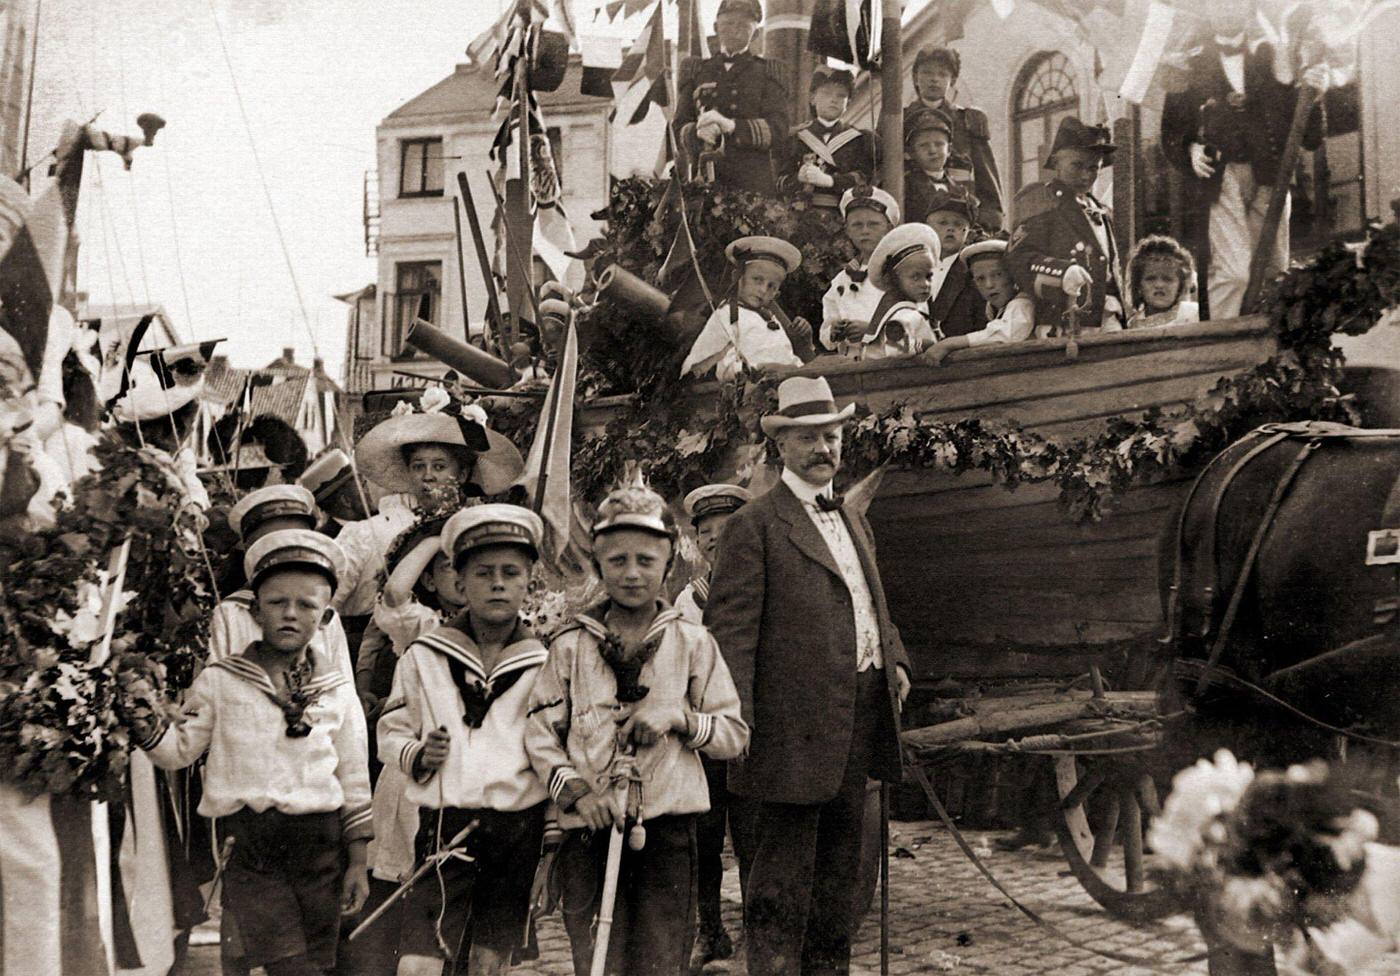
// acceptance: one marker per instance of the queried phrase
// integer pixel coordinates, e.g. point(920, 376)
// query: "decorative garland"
point(63, 715)
point(1345, 289)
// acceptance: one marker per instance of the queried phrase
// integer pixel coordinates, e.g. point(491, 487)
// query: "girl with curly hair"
point(1160, 276)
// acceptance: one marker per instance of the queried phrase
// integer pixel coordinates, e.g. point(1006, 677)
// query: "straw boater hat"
point(327, 474)
point(898, 246)
point(301, 548)
point(274, 501)
point(983, 249)
point(742, 250)
point(491, 525)
point(380, 453)
point(870, 198)
point(804, 402)
point(718, 499)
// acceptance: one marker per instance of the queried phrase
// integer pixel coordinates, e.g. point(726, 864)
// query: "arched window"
point(1045, 93)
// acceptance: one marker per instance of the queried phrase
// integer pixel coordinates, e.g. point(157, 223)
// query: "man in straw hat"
point(1063, 242)
point(799, 612)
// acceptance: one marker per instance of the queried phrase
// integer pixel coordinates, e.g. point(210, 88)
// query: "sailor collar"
point(591, 621)
point(455, 640)
point(323, 678)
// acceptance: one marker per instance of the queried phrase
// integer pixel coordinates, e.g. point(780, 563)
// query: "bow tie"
point(857, 275)
point(1230, 47)
point(1091, 210)
point(730, 58)
point(830, 503)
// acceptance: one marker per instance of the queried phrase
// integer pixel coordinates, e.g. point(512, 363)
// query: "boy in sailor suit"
point(825, 157)
point(709, 508)
point(455, 726)
point(850, 302)
point(632, 690)
point(258, 513)
point(903, 268)
point(748, 330)
point(288, 770)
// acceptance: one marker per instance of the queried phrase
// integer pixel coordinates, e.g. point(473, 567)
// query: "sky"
point(189, 227)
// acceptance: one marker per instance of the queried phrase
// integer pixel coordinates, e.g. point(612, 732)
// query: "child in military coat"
point(631, 697)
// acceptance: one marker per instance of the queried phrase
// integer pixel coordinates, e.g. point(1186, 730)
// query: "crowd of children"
point(907, 292)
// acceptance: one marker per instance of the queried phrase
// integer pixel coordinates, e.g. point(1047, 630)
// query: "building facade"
point(16, 65)
point(1030, 69)
point(421, 148)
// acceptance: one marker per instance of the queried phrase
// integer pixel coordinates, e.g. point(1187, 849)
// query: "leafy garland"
point(63, 714)
point(1345, 289)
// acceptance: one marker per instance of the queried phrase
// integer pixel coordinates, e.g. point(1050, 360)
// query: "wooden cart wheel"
point(1105, 853)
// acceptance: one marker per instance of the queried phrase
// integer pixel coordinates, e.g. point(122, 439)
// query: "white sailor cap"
point(898, 246)
point(294, 547)
point(274, 501)
point(992, 247)
point(870, 198)
point(757, 247)
point(717, 499)
point(492, 525)
point(327, 474)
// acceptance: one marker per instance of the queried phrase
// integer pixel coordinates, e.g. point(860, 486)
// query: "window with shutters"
point(417, 294)
point(420, 168)
point(1045, 93)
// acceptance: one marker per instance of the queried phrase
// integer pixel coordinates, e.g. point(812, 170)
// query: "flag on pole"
point(1152, 44)
point(645, 64)
point(33, 244)
point(118, 338)
point(546, 474)
point(601, 57)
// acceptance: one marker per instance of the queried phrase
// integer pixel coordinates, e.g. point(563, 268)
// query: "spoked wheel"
point(1101, 818)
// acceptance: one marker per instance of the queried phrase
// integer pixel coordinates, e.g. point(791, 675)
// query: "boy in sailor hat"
point(331, 479)
point(632, 690)
point(709, 507)
point(957, 307)
point(902, 267)
point(748, 330)
point(233, 626)
point(287, 771)
point(850, 302)
point(824, 157)
point(455, 726)
point(1010, 314)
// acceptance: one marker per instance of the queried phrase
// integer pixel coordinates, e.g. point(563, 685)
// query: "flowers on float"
point(84, 626)
point(434, 399)
point(1191, 830)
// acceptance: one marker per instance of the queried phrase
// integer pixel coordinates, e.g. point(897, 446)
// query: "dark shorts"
point(507, 851)
point(282, 884)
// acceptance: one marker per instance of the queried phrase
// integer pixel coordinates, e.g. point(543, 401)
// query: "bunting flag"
point(546, 474)
point(601, 57)
point(645, 64)
point(118, 338)
point(847, 30)
point(1149, 60)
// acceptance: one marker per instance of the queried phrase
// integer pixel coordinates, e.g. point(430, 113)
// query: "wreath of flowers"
point(1345, 289)
point(64, 708)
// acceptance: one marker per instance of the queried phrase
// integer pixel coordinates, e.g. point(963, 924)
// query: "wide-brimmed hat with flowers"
point(438, 420)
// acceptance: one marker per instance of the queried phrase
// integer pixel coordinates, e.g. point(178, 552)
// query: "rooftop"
point(471, 90)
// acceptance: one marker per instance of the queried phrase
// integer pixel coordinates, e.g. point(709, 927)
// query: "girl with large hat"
point(430, 456)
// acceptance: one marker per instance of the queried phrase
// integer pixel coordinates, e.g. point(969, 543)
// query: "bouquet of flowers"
point(1282, 859)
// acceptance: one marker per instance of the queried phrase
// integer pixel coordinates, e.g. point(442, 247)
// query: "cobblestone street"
point(945, 917)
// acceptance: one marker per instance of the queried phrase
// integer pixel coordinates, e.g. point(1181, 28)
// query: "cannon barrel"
point(622, 287)
point(471, 362)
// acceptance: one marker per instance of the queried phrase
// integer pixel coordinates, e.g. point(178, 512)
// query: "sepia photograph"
point(699, 487)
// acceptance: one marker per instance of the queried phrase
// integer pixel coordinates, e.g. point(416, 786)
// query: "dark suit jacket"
point(972, 138)
point(851, 162)
point(782, 616)
point(1052, 232)
point(959, 308)
point(752, 92)
point(1254, 131)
